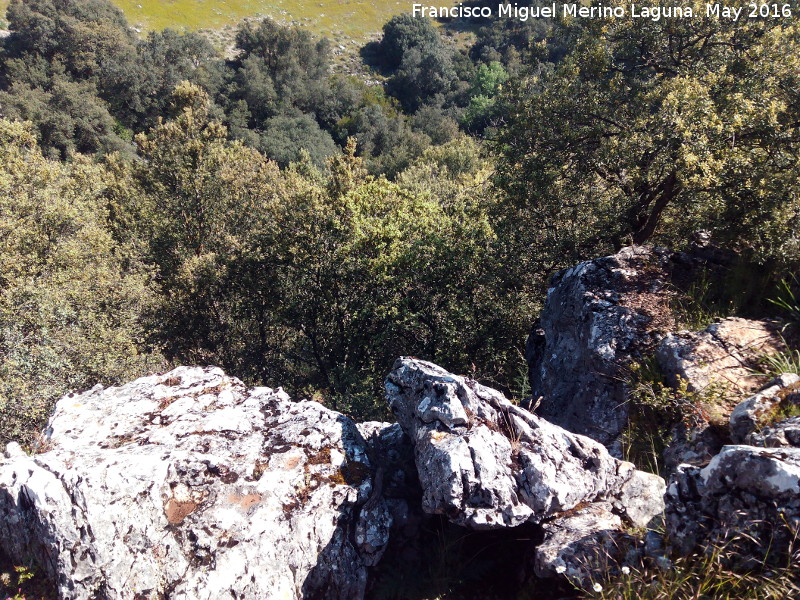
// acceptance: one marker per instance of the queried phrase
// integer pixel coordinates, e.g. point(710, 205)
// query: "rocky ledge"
point(191, 485)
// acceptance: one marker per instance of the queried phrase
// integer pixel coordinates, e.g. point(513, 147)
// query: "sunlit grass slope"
point(338, 19)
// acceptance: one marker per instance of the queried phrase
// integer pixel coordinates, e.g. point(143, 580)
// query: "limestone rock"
point(694, 443)
point(640, 498)
point(747, 498)
point(762, 408)
point(486, 463)
point(190, 485)
point(784, 434)
point(598, 317)
point(584, 545)
point(720, 358)
point(393, 455)
point(686, 522)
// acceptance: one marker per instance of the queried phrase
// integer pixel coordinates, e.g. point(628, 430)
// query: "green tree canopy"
point(402, 33)
point(72, 300)
point(284, 139)
point(648, 130)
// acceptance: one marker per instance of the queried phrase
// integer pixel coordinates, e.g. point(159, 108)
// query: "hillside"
point(581, 235)
point(339, 20)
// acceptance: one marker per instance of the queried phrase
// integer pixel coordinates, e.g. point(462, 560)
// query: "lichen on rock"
point(191, 485)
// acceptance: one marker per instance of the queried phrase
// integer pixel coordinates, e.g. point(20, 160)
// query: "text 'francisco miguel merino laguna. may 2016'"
point(752, 10)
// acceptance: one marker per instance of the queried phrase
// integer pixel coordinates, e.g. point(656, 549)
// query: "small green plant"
point(18, 579)
point(788, 301)
point(654, 408)
point(787, 407)
point(522, 386)
point(699, 306)
point(23, 582)
point(782, 362)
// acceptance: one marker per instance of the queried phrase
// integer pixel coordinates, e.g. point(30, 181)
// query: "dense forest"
point(163, 202)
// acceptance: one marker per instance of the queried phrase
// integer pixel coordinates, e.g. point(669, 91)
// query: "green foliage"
point(384, 138)
point(279, 68)
point(23, 583)
point(285, 137)
point(625, 140)
point(485, 86)
point(137, 85)
point(426, 74)
point(781, 362)
point(789, 301)
point(654, 409)
point(72, 299)
point(507, 40)
point(193, 203)
point(488, 79)
point(76, 70)
point(401, 34)
point(83, 35)
point(330, 276)
point(700, 305)
point(360, 270)
point(69, 116)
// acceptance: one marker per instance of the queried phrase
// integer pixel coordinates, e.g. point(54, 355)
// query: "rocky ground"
point(189, 484)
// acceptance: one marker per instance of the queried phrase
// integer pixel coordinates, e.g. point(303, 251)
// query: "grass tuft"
point(706, 576)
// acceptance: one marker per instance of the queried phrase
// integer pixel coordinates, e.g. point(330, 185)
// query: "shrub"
point(72, 299)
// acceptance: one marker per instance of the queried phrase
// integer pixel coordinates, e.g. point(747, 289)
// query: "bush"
point(72, 300)
point(624, 141)
point(285, 138)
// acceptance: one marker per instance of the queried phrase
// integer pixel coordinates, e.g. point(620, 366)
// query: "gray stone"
point(785, 434)
point(598, 317)
point(14, 450)
point(584, 546)
point(694, 442)
point(636, 497)
point(486, 463)
point(747, 499)
point(758, 411)
point(190, 485)
point(721, 358)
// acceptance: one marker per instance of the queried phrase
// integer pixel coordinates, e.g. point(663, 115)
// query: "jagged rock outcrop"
point(717, 369)
point(747, 499)
point(190, 485)
point(486, 463)
point(722, 356)
point(765, 407)
point(585, 545)
point(783, 434)
point(598, 317)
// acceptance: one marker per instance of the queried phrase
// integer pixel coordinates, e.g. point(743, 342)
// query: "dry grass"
point(339, 20)
point(699, 577)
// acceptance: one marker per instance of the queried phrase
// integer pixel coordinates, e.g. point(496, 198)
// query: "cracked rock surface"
point(486, 463)
point(747, 499)
point(784, 434)
point(190, 485)
point(724, 355)
point(763, 409)
point(598, 317)
point(584, 545)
